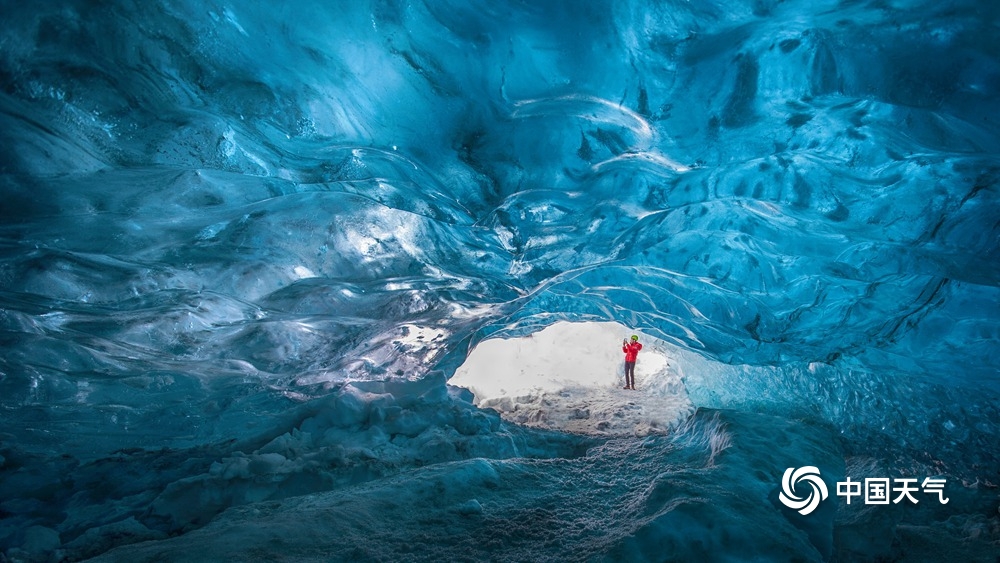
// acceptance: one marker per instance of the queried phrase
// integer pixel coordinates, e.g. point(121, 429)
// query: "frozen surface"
point(246, 250)
point(570, 377)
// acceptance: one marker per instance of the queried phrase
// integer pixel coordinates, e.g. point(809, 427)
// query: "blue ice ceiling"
point(227, 228)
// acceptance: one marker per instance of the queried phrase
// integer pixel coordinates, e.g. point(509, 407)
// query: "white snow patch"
point(569, 377)
point(420, 336)
point(302, 272)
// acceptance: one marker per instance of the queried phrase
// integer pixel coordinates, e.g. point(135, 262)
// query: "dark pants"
point(629, 374)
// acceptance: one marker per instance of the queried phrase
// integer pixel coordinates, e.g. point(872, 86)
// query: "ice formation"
point(254, 257)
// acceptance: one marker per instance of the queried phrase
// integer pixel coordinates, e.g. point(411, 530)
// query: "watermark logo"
point(874, 490)
point(878, 491)
point(817, 492)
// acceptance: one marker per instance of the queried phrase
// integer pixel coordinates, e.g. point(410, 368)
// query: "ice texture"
point(249, 250)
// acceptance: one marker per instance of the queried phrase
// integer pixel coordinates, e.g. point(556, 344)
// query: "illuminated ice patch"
point(302, 272)
point(569, 377)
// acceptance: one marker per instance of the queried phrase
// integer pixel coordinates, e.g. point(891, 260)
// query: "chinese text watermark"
point(881, 490)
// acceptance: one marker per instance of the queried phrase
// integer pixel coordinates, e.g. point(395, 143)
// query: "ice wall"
point(214, 214)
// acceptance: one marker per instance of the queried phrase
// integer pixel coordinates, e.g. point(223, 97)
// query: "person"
point(631, 350)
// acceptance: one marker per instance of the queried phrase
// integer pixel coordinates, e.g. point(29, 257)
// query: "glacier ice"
point(249, 252)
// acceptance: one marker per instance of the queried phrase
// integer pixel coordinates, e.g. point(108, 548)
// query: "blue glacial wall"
point(220, 221)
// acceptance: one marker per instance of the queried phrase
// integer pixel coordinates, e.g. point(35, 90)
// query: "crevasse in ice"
point(245, 246)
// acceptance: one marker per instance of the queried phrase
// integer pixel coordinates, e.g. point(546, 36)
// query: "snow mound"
point(569, 377)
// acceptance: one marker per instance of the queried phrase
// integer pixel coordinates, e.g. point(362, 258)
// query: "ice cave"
point(354, 280)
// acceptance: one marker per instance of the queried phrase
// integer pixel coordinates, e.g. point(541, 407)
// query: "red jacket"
point(631, 351)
